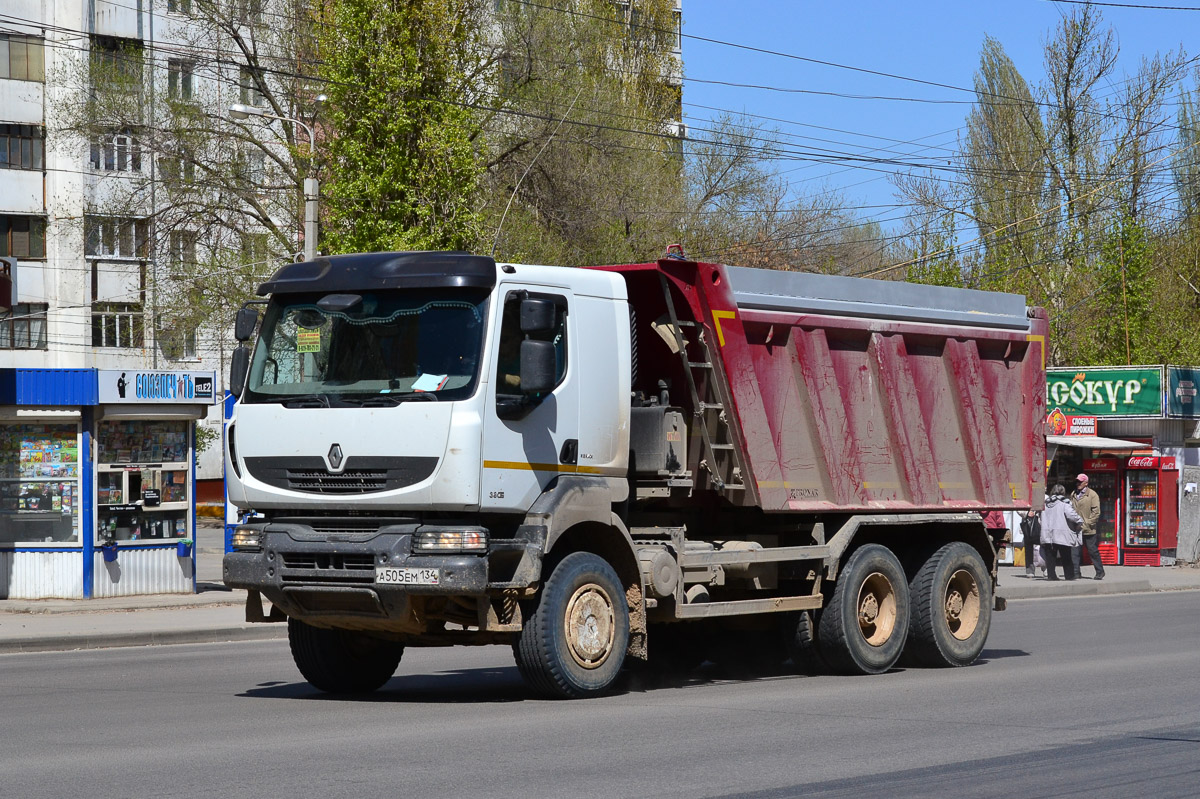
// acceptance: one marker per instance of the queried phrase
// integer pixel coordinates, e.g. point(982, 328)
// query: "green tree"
point(404, 148)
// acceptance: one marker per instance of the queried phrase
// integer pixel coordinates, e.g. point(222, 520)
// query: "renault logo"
point(335, 456)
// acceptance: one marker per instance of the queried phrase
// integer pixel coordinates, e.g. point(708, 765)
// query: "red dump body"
point(855, 395)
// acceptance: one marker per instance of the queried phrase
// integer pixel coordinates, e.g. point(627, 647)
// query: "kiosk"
point(97, 481)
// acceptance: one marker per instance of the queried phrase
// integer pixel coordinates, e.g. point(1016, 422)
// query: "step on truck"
point(668, 461)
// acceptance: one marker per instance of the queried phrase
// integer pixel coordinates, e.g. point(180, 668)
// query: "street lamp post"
point(311, 186)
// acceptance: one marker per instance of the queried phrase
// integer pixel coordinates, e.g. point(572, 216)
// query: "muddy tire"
point(951, 598)
point(863, 626)
point(574, 639)
point(799, 631)
point(342, 661)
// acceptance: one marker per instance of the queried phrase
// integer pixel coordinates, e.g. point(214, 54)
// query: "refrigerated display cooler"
point(1104, 477)
point(1151, 526)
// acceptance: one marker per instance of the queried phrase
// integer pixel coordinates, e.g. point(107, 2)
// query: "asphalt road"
point(1091, 697)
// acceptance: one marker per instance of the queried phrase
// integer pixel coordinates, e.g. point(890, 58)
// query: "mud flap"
point(254, 609)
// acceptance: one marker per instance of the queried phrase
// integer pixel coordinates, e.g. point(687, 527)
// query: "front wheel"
point(863, 627)
point(574, 639)
point(952, 608)
point(342, 661)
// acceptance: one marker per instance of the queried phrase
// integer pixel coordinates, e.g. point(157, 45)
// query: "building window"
point(177, 341)
point(248, 12)
point(678, 39)
point(21, 146)
point(24, 327)
point(179, 80)
point(112, 237)
point(256, 248)
point(117, 64)
point(23, 236)
point(116, 152)
point(183, 249)
point(248, 83)
point(22, 57)
point(117, 324)
point(177, 171)
point(180, 7)
point(252, 166)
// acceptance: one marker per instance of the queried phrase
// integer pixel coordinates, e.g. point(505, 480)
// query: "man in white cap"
point(1087, 505)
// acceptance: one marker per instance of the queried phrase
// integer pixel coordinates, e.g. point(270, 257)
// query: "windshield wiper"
point(307, 401)
point(388, 400)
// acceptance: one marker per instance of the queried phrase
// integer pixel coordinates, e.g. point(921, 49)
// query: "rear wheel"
point(799, 632)
point(863, 627)
point(342, 661)
point(951, 608)
point(574, 639)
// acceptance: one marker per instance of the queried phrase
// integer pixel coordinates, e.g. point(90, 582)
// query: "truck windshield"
point(389, 347)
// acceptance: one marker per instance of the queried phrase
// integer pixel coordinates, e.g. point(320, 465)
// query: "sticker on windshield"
point(308, 340)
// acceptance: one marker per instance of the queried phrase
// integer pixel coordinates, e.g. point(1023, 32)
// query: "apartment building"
point(104, 362)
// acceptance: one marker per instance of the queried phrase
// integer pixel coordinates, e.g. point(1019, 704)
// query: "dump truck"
point(660, 462)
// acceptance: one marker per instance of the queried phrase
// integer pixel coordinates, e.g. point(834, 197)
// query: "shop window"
point(24, 327)
point(23, 236)
point(22, 57)
point(142, 471)
point(116, 152)
point(22, 146)
point(39, 483)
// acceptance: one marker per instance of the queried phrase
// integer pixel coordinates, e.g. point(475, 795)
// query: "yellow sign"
point(308, 340)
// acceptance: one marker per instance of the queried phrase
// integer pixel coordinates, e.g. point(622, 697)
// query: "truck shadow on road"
point(492, 685)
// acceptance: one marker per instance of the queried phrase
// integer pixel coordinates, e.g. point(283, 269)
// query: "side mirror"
point(538, 362)
point(247, 320)
point(239, 367)
point(537, 316)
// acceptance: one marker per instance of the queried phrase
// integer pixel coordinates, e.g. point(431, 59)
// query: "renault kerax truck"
point(665, 462)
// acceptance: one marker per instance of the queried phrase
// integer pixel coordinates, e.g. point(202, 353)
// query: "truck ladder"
point(721, 459)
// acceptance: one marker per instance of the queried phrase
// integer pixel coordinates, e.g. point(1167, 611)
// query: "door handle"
point(570, 452)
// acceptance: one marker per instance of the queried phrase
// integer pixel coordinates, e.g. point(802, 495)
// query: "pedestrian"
point(1031, 534)
point(1087, 504)
point(1060, 534)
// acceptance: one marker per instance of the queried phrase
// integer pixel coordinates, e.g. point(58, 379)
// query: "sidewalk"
point(217, 613)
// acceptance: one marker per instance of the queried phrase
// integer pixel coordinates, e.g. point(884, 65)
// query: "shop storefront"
point(97, 481)
point(1129, 429)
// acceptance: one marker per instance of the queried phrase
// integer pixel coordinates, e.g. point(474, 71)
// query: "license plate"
point(390, 575)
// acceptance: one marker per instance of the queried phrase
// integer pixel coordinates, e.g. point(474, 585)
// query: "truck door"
point(529, 440)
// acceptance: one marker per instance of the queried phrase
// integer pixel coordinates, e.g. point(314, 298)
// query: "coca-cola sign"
point(1142, 462)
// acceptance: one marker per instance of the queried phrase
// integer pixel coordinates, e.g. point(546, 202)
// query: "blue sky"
point(932, 40)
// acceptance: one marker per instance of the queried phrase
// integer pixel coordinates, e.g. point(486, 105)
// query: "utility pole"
point(311, 186)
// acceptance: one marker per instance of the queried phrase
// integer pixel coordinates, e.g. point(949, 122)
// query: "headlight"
point(247, 539)
point(450, 541)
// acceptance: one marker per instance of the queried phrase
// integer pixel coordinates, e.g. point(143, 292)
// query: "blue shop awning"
point(48, 387)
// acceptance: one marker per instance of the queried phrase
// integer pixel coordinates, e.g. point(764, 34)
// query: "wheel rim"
point(963, 604)
point(877, 609)
point(590, 626)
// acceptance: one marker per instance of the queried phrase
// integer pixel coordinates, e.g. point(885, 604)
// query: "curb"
point(68, 643)
point(1068, 588)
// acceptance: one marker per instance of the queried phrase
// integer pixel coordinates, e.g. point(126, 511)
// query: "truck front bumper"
point(310, 575)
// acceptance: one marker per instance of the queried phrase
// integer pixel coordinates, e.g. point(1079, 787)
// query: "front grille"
point(330, 567)
point(351, 481)
point(362, 475)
